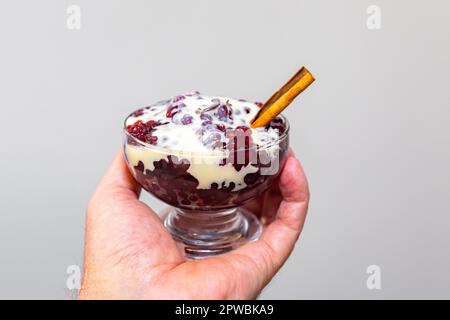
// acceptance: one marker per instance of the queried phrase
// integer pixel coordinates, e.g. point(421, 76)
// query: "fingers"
point(279, 238)
point(293, 182)
point(282, 234)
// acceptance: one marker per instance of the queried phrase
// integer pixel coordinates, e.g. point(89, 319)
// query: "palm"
point(126, 240)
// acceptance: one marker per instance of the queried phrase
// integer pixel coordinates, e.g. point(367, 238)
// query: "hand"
point(130, 255)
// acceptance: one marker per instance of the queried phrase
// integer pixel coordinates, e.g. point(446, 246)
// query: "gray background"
point(373, 131)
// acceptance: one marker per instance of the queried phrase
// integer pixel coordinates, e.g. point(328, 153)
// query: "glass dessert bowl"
point(199, 155)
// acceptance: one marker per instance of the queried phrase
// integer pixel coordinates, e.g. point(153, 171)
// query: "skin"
point(130, 255)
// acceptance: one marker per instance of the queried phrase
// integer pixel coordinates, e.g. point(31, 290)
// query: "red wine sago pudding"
point(199, 152)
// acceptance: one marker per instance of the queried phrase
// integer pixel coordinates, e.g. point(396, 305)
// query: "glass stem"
point(207, 233)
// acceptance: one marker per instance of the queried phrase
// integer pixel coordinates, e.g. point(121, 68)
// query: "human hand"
point(130, 255)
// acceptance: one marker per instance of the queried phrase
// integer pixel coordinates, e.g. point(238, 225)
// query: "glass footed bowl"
point(207, 190)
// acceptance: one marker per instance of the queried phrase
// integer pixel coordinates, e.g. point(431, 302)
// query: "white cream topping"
point(176, 136)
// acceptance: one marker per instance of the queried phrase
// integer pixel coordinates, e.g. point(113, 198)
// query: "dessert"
point(207, 156)
point(200, 153)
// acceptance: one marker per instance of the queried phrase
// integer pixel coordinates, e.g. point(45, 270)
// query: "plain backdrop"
point(372, 132)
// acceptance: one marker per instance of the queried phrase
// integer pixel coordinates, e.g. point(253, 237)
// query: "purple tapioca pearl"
point(222, 113)
point(206, 117)
point(187, 119)
point(213, 140)
point(152, 139)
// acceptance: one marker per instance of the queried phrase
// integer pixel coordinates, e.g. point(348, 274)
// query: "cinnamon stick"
point(282, 98)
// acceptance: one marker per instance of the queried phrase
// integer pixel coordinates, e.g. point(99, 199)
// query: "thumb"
point(119, 225)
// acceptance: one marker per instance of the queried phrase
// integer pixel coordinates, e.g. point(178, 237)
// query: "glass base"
point(204, 233)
